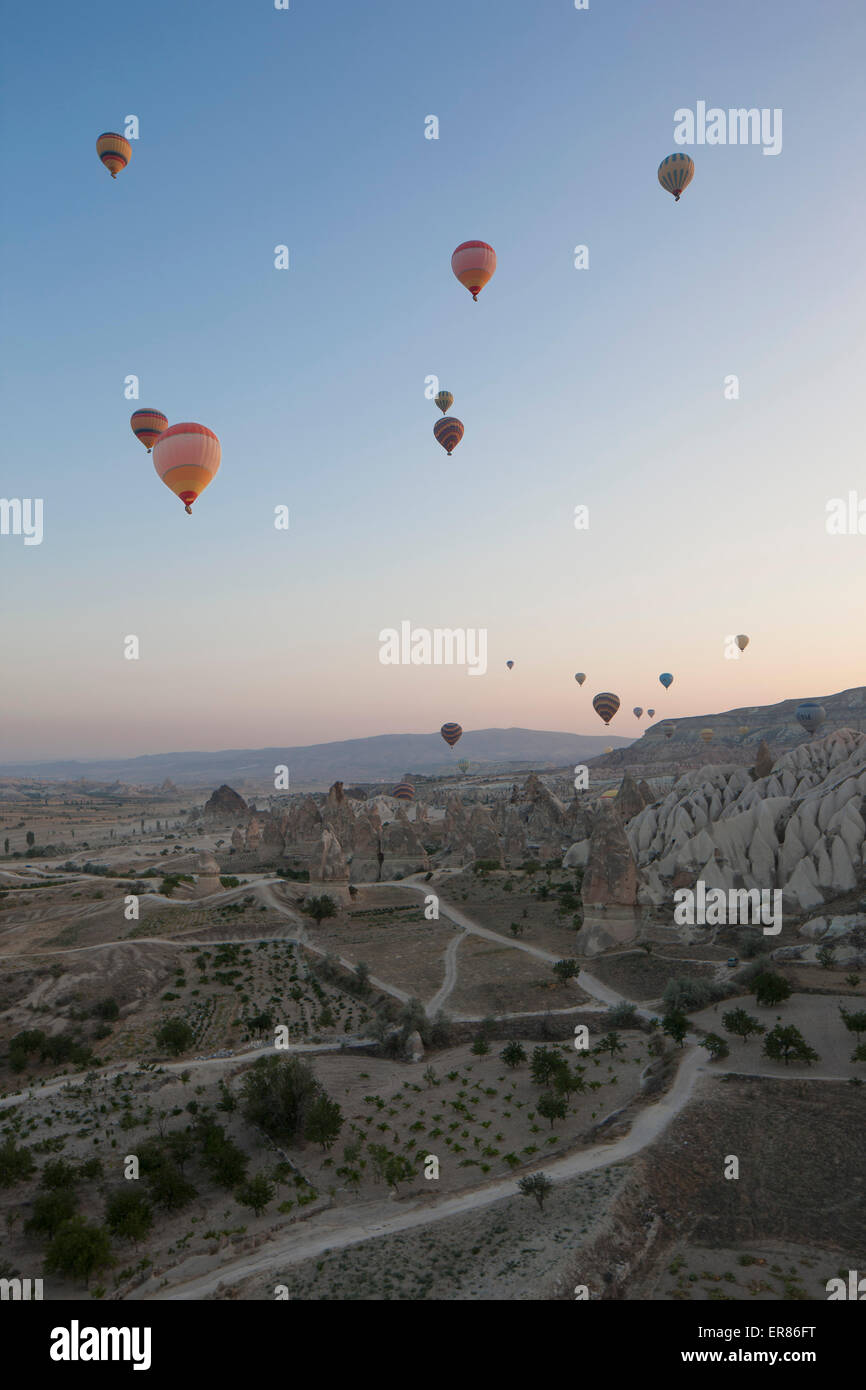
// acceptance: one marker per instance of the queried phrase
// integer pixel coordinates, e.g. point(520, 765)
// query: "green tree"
point(31, 839)
point(128, 1214)
point(513, 1055)
point(825, 956)
point(362, 975)
point(174, 1035)
point(58, 1173)
point(551, 1107)
point(320, 908)
point(566, 970)
point(610, 1043)
point(15, 1163)
point(676, 1024)
point(859, 1053)
point(480, 1047)
point(78, 1250)
point(742, 1024)
point(397, 1169)
point(567, 1082)
point(770, 988)
point(51, 1209)
point(545, 1063)
point(324, 1120)
point(716, 1046)
point(256, 1193)
point(785, 1042)
point(854, 1022)
point(276, 1094)
point(535, 1185)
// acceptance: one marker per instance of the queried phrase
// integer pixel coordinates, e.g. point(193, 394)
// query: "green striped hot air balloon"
point(444, 400)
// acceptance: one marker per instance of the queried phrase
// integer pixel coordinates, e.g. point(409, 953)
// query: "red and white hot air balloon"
point(474, 263)
point(187, 457)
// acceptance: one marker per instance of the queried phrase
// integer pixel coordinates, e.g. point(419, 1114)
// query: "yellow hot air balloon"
point(115, 152)
point(187, 457)
point(147, 426)
point(707, 735)
point(742, 730)
point(444, 400)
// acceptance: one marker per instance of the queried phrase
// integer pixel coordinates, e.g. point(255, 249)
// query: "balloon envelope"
point(605, 705)
point(707, 735)
point(669, 730)
point(580, 677)
point(742, 641)
point(444, 400)
point(115, 152)
point(650, 712)
point(810, 715)
point(676, 173)
point(637, 711)
point(666, 679)
point(147, 426)
point(448, 432)
point(742, 730)
point(509, 664)
point(404, 791)
point(187, 458)
point(451, 733)
point(474, 263)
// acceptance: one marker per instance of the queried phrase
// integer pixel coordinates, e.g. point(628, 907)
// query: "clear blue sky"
point(603, 386)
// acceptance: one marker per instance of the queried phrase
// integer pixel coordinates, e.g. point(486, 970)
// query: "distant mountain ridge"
point(384, 756)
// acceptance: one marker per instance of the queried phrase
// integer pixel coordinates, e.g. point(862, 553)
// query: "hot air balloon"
point(651, 713)
point(707, 735)
point(404, 791)
point(742, 730)
point(474, 263)
point(451, 733)
point(609, 794)
point(115, 152)
point(605, 705)
point(444, 400)
point(463, 764)
point(580, 677)
point(147, 426)
point(676, 173)
point(811, 715)
point(448, 432)
point(608, 750)
point(742, 641)
point(509, 664)
point(187, 458)
point(637, 711)
point(669, 730)
point(666, 679)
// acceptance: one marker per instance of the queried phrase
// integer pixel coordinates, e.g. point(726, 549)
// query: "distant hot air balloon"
point(707, 735)
point(669, 730)
point(676, 173)
point(605, 705)
point(580, 677)
point(451, 733)
point(474, 263)
point(448, 432)
point(742, 641)
point(187, 457)
point(608, 749)
point(148, 425)
point(115, 152)
point(609, 794)
point(637, 711)
point(666, 679)
point(509, 664)
point(463, 764)
point(650, 712)
point(444, 400)
point(811, 715)
point(404, 791)
point(742, 730)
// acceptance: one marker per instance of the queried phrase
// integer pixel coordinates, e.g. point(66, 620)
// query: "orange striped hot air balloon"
point(115, 152)
point(474, 263)
point(187, 458)
point(404, 791)
point(449, 432)
point(451, 733)
point(147, 426)
point(605, 705)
